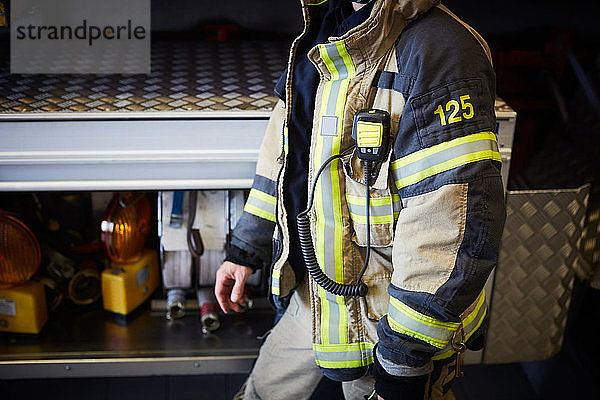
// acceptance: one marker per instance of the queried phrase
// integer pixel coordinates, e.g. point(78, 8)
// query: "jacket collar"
point(370, 40)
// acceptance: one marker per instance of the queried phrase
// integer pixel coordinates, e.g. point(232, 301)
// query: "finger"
point(222, 292)
point(238, 287)
point(223, 305)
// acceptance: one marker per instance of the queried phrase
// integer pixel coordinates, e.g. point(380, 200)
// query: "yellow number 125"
point(453, 108)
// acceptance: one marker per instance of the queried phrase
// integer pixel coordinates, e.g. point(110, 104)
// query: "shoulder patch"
point(453, 110)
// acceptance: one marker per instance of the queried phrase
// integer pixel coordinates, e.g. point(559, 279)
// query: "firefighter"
point(435, 201)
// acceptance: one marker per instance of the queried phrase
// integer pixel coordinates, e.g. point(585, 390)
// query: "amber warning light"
point(126, 225)
point(20, 253)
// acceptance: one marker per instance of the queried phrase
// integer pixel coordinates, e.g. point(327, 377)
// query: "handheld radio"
point(371, 131)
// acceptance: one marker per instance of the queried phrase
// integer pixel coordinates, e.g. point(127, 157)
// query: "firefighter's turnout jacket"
point(437, 204)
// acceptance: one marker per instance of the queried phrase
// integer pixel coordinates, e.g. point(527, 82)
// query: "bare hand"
point(229, 286)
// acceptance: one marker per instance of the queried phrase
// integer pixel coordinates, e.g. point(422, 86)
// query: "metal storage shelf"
point(90, 342)
point(195, 122)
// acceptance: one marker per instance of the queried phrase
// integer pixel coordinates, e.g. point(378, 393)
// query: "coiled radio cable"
point(308, 251)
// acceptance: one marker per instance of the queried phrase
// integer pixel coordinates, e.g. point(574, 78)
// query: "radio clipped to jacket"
point(371, 131)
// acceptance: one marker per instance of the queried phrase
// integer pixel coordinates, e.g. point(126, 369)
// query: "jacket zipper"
point(288, 102)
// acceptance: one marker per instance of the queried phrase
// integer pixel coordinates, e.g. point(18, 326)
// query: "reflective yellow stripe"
point(418, 335)
point(316, 4)
point(448, 165)
point(407, 321)
point(345, 364)
point(443, 157)
point(469, 318)
point(451, 326)
point(351, 70)
point(374, 220)
point(379, 214)
point(259, 213)
point(450, 351)
point(352, 355)
point(263, 196)
point(419, 155)
point(471, 324)
point(261, 204)
point(375, 201)
point(335, 348)
point(328, 63)
point(335, 188)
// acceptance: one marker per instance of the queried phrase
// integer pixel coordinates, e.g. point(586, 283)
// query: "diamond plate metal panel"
point(589, 265)
point(185, 76)
point(534, 278)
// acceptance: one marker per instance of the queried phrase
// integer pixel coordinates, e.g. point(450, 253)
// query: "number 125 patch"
point(453, 110)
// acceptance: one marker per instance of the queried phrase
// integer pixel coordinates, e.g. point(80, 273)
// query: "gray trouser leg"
point(285, 368)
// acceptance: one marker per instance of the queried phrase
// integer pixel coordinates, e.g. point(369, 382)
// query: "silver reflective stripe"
point(261, 204)
point(377, 211)
point(472, 322)
point(383, 210)
point(338, 62)
point(261, 201)
point(407, 321)
point(353, 355)
point(411, 326)
point(443, 157)
point(340, 355)
point(382, 214)
point(275, 276)
point(448, 154)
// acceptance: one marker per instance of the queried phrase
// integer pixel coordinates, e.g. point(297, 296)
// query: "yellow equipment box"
point(127, 285)
point(23, 308)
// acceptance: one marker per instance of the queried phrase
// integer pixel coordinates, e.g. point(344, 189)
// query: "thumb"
point(238, 287)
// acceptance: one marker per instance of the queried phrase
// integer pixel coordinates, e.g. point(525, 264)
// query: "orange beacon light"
point(126, 226)
point(22, 302)
point(133, 274)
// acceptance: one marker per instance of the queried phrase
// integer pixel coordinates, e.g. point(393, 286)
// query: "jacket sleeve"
point(251, 239)
point(446, 168)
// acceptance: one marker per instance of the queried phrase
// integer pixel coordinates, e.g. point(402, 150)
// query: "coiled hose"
point(308, 251)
